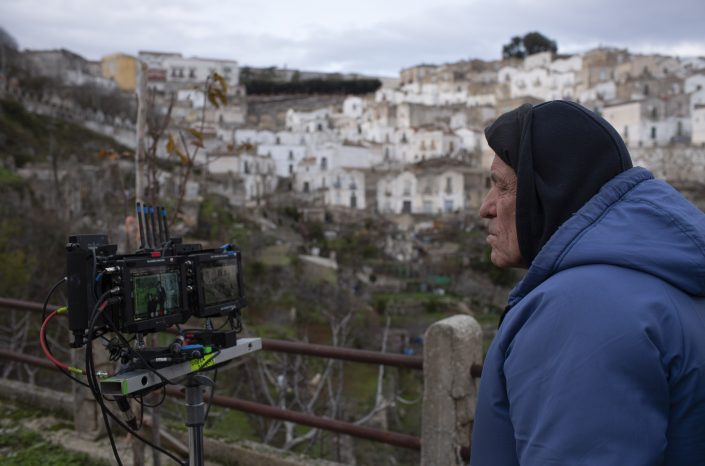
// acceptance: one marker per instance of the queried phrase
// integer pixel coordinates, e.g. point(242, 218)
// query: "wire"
point(46, 301)
point(130, 351)
point(158, 403)
point(65, 369)
point(95, 390)
point(91, 375)
point(210, 398)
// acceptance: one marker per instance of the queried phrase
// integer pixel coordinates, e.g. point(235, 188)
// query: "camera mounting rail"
point(144, 380)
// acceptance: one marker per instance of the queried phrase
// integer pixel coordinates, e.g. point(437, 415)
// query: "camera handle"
point(195, 416)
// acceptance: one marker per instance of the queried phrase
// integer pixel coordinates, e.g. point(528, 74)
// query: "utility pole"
point(141, 123)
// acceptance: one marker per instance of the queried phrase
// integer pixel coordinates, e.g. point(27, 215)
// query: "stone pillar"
point(451, 347)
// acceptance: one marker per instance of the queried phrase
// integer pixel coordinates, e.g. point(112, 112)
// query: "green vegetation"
point(232, 425)
point(20, 446)
point(9, 179)
point(28, 137)
point(529, 44)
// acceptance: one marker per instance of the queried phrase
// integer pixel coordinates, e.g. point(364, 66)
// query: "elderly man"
point(600, 354)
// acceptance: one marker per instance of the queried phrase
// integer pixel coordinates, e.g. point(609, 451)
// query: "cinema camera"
point(164, 284)
point(155, 288)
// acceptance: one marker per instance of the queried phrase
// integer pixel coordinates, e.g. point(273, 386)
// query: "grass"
point(232, 425)
point(23, 447)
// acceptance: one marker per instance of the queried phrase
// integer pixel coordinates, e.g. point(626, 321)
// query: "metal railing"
point(324, 351)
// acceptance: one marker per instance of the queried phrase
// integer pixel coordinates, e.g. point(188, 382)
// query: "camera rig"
point(163, 284)
point(155, 288)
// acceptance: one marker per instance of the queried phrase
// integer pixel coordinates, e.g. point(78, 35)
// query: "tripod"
point(195, 416)
point(142, 380)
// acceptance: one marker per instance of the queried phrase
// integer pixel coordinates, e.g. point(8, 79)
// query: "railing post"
point(451, 347)
point(87, 419)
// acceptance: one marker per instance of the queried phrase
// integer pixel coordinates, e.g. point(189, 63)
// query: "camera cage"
point(154, 288)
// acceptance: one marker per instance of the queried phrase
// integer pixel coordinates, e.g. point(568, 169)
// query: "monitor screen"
point(155, 292)
point(219, 282)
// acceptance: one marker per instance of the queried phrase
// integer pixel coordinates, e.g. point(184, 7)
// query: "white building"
point(642, 123)
point(347, 189)
point(421, 192)
point(341, 186)
point(286, 157)
point(698, 125)
point(308, 122)
point(176, 71)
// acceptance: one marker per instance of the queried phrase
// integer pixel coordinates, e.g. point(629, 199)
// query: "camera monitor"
point(153, 294)
point(215, 281)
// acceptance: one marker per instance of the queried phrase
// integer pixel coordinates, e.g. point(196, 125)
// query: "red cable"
point(45, 348)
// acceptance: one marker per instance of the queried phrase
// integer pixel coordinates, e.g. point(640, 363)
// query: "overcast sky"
point(368, 36)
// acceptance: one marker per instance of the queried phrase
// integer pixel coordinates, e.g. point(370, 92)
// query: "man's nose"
point(487, 207)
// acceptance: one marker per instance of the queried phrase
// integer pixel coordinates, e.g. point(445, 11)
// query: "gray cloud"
point(264, 34)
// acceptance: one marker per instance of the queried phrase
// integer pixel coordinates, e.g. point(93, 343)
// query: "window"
point(653, 132)
point(291, 155)
point(449, 185)
point(192, 73)
point(448, 205)
point(291, 169)
point(305, 186)
point(626, 132)
point(407, 188)
point(324, 163)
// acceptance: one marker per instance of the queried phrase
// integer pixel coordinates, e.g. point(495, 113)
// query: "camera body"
point(151, 290)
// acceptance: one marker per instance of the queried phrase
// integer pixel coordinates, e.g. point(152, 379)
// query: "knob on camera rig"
point(163, 284)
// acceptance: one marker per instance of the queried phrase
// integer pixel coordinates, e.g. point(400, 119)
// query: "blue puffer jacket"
point(601, 359)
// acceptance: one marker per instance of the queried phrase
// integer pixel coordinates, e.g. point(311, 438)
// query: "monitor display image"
point(155, 292)
point(219, 282)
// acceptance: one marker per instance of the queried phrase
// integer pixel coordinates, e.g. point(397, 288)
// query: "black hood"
point(562, 154)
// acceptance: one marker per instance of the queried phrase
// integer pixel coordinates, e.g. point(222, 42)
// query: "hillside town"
point(356, 214)
point(415, 146)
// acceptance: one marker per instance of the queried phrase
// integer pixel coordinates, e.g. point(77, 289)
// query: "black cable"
point(46, 340)
point(91, 376)
point(95, 389)
point(130, 351)
point(158, 403)
point(210, 399)
point(46, 301)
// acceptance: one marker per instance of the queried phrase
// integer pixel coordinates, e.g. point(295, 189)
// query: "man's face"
point(499, 207)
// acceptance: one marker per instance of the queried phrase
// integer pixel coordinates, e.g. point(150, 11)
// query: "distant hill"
point(27, 137)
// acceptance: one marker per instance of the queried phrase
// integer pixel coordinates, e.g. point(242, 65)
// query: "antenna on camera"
point(140, 221)
point(153, 227)
point(159, 224)
point(166, 224)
